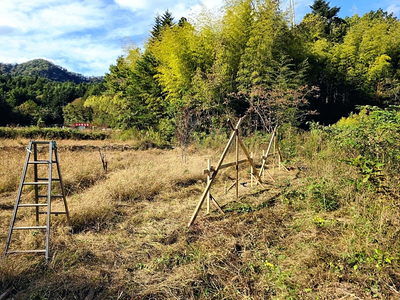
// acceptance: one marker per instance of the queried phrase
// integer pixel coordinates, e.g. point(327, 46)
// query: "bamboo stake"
point(262, 167)
point(196, 211)
point(225, 191)
point(217, 205)
point(208, 180)
point(276, 147)
point(233, 184)
point(251, 172)
point(269, 147)
point(280, 156)
point(273, 157)
point(237, 163)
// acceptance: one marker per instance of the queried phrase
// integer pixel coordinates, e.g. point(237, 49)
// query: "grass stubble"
point(309, 235)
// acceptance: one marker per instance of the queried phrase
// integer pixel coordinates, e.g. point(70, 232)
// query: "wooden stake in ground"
point(237, 162)
point(208, 180)
point(251, 172)
point(266, 154)
point(276, 151)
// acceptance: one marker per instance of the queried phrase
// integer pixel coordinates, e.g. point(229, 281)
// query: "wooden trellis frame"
point(239, 144)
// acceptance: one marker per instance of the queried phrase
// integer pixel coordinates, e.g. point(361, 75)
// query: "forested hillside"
point(33, 100)
point(44, 68)
point(35, 92)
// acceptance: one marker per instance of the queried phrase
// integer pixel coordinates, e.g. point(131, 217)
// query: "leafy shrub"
point(373, 133)
point(370, 171)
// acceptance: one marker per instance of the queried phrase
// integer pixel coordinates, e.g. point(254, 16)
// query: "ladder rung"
point(32, 205)
point(26, 251)
point(53, 212)
point(52, 196)
point(53, 179)
point(35, 183)
point(41, 142)
point(38, 162)
point(29, 227)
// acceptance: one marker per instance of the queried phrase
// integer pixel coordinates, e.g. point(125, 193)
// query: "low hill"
point(44, 68)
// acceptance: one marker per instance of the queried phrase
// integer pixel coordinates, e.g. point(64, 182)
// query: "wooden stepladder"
point(44, 188)
point(210, 180)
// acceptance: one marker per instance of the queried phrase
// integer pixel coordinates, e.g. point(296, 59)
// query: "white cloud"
point(395, 9)
point(178, 8)
point(57, 18)
point(81, 36)
point(134, 5)
point(84, 36)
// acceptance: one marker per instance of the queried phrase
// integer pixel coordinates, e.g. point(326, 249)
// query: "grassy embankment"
point(321, 231)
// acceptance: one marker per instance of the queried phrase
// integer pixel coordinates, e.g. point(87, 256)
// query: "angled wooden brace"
point(205, 193)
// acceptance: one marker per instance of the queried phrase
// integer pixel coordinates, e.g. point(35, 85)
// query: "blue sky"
point(87, 36)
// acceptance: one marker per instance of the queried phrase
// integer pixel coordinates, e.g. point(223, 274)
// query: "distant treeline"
point(34, 100)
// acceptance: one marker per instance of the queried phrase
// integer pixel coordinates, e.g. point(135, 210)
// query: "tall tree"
point(166, 20)
point(334, 26)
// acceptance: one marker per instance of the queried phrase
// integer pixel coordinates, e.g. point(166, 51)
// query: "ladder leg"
point(49, 201)
point(17, 200)
point(62, 187)
point(35, 170)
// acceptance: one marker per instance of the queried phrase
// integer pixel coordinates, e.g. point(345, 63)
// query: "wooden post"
point(225, 189)
point(217, 205)
point(251, 172)
point(237, 163)
point(273, 157)
point(262, 167)
point(280, 158)
point(208, 180)
point(266, 154)
point(277, 149)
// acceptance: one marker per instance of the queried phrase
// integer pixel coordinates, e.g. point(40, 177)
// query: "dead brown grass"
point(129, 237)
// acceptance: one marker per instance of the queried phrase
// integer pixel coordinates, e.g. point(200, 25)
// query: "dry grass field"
point(309, 235)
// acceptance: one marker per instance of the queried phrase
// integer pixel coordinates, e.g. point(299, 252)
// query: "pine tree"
point(322, 8)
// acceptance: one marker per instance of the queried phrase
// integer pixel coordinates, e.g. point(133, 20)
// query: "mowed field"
point(129, 237)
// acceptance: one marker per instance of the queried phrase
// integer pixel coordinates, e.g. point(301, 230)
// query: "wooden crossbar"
point(224, 166)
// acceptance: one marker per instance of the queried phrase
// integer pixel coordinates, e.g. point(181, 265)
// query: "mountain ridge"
point(44, 68)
